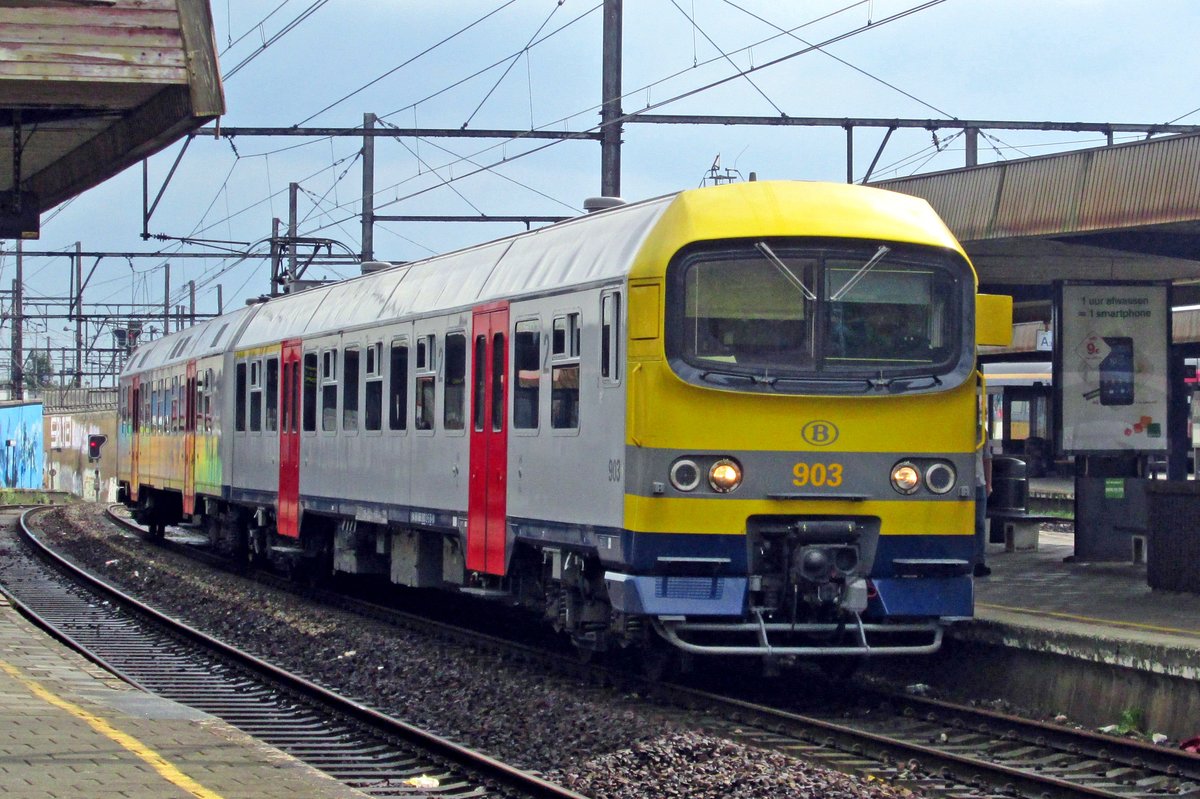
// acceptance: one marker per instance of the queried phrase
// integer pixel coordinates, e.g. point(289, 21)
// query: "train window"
point(350, 359)
point(455, 394)
point(310, 391)
point(478, 382)
point(564, 374)
point(272, 395)
point(527, 368)
point(209, 389)
point(398, 386)
point(239, 414)
point(426, 388)
point(329, 390)
point(256, 395)
point(498, 353)
point(174, 406)
point(610, 336)
point(373, 399)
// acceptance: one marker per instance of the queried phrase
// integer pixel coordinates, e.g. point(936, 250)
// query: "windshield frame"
point(821, 373)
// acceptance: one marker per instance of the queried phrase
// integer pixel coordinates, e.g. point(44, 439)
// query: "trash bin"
point(1010, 485)
point(1009, 497)
point(1173, 554)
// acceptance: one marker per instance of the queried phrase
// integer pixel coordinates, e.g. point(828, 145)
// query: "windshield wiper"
point(770, 255)
point(861, 273)
point(903, 383)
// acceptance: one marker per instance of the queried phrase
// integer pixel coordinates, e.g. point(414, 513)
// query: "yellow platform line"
point(1089, 619)
point(155, 760)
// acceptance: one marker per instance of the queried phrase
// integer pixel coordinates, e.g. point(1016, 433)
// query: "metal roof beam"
point(925, 124)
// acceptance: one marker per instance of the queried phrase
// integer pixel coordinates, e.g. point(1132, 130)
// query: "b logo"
point(820, 433)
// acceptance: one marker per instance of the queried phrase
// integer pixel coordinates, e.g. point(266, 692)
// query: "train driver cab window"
point(256, 392)
point(564, 373)
point(239, 413)
point(272, 395)
point(350, 358)
point(455, 393)
point(329, 390)
point(310, 392)
point(527, 365)
point(373, 398)
point(426, 375)
point(398, 386)
point(610, 336)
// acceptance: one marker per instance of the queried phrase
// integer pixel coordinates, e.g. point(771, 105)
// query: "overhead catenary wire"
point(806, 49)
point(697, 29)
point(408, 61)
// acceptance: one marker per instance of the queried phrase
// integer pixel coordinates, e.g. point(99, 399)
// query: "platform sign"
point(1110, 366)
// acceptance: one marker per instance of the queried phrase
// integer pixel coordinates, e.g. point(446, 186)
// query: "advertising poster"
point(1110, 376)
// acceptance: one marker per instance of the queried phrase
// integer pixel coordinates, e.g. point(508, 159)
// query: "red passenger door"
point(189, 440)
point(489, 440)
point(287, 516)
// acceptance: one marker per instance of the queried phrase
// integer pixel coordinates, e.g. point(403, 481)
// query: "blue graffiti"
point(21, 453)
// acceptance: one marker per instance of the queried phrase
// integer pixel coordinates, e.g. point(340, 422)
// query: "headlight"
point(940, 478)
point(685, 475)
point(725, 475)
point(906, 478)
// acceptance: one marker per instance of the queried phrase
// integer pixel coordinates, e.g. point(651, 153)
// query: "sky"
point(516, 64)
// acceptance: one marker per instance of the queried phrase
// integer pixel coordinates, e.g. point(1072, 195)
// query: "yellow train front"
point(801, 425)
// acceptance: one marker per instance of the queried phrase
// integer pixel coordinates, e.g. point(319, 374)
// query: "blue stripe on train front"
point(925, 597)
point(676, 596)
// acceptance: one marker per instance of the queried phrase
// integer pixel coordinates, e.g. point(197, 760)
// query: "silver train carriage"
point(741, 419)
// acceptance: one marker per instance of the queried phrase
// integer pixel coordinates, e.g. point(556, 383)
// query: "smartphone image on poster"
point(1116, 372)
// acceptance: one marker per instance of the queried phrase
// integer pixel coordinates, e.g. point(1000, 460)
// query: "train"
point(739, 420)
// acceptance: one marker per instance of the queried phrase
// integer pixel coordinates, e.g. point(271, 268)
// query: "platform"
point(70, 729)
point(1088, 641)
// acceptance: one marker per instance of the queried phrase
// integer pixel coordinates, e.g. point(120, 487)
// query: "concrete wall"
point(21, 446)
point(67, 466)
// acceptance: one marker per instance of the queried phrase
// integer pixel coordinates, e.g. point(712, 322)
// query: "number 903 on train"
point(741, 419)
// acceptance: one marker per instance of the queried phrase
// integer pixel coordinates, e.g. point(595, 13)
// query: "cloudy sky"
point(516, 64)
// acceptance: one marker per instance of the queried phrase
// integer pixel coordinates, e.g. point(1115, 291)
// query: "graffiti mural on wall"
point(21, 454)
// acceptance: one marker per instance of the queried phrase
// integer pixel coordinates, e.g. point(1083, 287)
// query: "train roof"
point(577, 252)
point(629, 240)
point(210, 337)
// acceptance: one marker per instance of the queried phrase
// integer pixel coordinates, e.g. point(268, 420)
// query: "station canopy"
point(90, 87)
point(1122, 212)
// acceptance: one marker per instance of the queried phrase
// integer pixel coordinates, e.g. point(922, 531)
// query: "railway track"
point(936, 747)
point(376, 754)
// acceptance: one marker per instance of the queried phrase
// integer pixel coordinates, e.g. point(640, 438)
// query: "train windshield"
point(772, 311)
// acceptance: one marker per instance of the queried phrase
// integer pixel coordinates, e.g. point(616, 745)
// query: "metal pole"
point(192, 303)
point(166, 299)
point(276, 266)
point(220, 300)
point(78, 314)
point(849, 153)
point(18, 317)
point(368, 189)
point(972, 146)
point(293, 191)
point(610, 110)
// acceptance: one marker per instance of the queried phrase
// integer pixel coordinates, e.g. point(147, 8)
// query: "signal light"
point(95, 442)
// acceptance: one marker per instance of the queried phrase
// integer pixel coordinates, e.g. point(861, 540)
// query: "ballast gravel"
point(595, 741)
